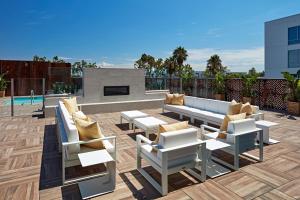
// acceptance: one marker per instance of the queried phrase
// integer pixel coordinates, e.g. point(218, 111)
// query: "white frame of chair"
point(64, 151)
point(164, 170)
point(63, 144)
point(234, 147)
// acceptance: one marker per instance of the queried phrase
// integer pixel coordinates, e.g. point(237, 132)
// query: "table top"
point(213, 144)
point(94, 157)
point(148, 121)
point(265, 123)
point(133, 114)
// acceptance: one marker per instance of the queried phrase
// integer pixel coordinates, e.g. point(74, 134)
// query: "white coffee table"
point(265, 126)
point(148, 124)
point(100, 183)
point(131, 115)
point(214, 169)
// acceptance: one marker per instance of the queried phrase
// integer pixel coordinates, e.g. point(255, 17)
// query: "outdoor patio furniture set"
point(174, 150)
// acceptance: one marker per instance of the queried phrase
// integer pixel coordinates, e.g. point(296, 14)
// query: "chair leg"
point(236, 161)
point(164, 184)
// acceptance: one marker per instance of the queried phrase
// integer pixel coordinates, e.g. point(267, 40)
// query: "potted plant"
point(3, 85)
point(293, 95)
point(248, 92)
point(219, 86)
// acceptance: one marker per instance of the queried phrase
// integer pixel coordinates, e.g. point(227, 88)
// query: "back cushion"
point(189, 101)
point(177, 138)
point(241, 126)
point(70, 129)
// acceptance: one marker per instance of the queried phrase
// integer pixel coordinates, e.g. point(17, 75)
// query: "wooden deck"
point(30, 166)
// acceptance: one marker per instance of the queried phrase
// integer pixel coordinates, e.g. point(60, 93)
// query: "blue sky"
point(115, 33)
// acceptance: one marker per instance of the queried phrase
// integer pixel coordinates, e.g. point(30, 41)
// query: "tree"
point(36, 58)
point(170, 65)
point(214, 65)
point(187, 72)
point(146, 62)
point(180, 55)
point(159, 68)
point(56, 59)
point(77, 67)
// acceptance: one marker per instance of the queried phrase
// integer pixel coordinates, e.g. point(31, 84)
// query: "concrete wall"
point(276, 46)
point(98, 108)
point(94, 81)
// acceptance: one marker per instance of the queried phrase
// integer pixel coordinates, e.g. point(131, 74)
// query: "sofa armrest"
point(89, 141)
point(141, 138)
point(203, 127)
point(197, 143)
point(257, 116)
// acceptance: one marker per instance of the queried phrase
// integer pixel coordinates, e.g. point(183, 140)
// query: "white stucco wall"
point(276, 46)
point(94, 81)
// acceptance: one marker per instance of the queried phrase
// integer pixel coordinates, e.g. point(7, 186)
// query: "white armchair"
point(70, 145)
point(241, 136)
point(176, 151)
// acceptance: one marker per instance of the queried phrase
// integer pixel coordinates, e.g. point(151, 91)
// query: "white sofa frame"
point(240, 146)
point(164, 170)
point(64, 143)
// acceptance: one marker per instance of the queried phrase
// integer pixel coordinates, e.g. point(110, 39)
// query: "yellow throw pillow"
point(178, 99)
point(170, 127)
point(80, 115)
point(222, 135)
point(71, 105)
point(246, 108)
point(234, 108)
point(88, 131)
point(169, 98)
point(229, 118)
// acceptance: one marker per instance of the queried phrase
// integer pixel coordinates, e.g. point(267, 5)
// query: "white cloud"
point(74, 59)
point(104, 64)
point(235, 59)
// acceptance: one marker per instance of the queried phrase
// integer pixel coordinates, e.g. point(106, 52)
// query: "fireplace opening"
point(116, 90)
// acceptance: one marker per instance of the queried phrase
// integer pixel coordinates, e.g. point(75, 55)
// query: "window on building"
point(294, 35)
point(294, 58)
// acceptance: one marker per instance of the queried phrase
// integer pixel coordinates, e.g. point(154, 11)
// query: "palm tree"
point(170, 65)
point(214, 65)
point(146, 62)
point(180, 55)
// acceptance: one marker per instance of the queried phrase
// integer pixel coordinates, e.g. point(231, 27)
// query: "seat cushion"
point(179, 109)
point(88, 131)
point(174, 158)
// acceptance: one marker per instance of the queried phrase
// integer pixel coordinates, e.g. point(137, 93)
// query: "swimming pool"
point(25, 100)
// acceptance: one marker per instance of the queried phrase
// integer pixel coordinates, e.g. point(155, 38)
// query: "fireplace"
point(116, 90)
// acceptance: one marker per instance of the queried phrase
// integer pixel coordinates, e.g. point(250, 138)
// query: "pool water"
point(25, 100)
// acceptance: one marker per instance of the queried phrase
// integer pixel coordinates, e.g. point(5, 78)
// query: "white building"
point(282, 46)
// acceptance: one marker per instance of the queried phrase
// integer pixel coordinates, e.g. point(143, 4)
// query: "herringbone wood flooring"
point(30, 165)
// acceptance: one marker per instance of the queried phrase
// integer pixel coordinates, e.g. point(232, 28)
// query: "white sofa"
point(241, 136)
point(178, 150)
point(207, 110)
point(69, 143)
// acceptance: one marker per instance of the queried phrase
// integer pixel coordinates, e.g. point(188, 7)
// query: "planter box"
point(220, 97)
point(2, 93)
point(293, 108)
point(247, 99)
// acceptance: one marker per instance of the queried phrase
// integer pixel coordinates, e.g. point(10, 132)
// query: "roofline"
point(282, 18)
